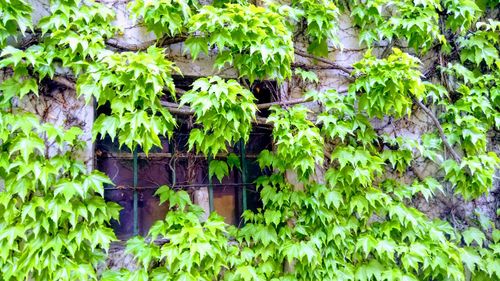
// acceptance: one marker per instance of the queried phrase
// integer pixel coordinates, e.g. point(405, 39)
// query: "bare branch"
point(434, 119)
point(64, 82)
point(165, 41)
point(172, 40)
point(176, 109)
point(184, 110)
point(284, 102)
point(312, 67)
point(333, 65)
point(121, 45)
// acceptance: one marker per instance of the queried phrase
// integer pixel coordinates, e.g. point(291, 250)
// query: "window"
point(137, 176)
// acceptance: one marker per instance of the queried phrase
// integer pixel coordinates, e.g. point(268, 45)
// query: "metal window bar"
point(136, 189)
point(210, 187)
point(172, 166)
point(136, 196)
point(243, 179)
point(243, 174)
point(180, 186)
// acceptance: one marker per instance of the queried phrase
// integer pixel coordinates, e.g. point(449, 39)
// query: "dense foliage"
point(224, 109)
point(54, 218)
point(338, 203)
point(254, 40)
point(137, 116)
point(195, 250)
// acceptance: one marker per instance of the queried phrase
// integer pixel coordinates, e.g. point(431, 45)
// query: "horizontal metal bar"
point(160, 155)
point(180, 186)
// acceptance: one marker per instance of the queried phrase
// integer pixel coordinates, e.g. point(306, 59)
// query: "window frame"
point(241, 188)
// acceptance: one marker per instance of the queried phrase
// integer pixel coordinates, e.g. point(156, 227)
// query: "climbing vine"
point(339, 191)
point(252, 39)
point(137, 116)
point(54, 218)
point(224, 109)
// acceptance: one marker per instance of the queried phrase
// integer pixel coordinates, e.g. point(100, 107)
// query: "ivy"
point(340, 120)
point(71, 36)
point(414, 21)
point(474, 176)
point(224, 109)
point(475, 98)
point(164, 17)
point(314, 225)
point(462, 14)
point(299, 146)
point(387, 86)
point(218, 168)
point(337, 193)
point(75, 32)
point(322, 22)
point(307, 76)
point(16, 17)
point(481, 46)
point(194, 250)
point(20, 83)
point(252, 39)
point(401, 158)
point(137, 116)
point(54, 218)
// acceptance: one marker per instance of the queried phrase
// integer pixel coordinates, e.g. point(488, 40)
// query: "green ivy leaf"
point(473, 234)
point(218, 168)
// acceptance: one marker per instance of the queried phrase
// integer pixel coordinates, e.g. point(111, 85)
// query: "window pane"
point(124, 229)
point(225, 203)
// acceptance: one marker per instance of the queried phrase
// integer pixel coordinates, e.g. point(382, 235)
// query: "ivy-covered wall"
point(344, 66)
point(60, 106)
point(57, 108)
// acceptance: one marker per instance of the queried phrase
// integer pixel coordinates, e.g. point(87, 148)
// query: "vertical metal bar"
point(243, 174)
point(171, 149)
point(210, 188)
point(174, 175)
point(136, 196)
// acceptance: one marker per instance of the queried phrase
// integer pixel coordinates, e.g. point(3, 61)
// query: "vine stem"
point(184, 110)
point(174, 108)
point(436, 122)
point(64, 82)
point(114, 43)
point(121, 45)
point(326, 61)
point(284, 102)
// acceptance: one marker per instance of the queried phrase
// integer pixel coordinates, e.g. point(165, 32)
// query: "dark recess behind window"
point(173, 161)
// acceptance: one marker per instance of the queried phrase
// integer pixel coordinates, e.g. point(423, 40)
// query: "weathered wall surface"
point(61, 106)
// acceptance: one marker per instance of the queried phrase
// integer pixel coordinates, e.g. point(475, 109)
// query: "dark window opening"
point(178, 168)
